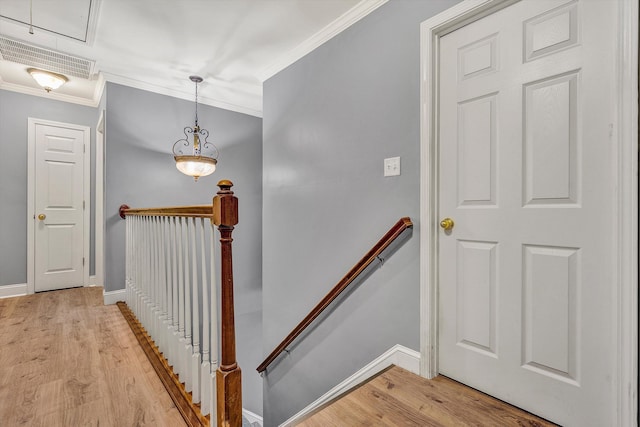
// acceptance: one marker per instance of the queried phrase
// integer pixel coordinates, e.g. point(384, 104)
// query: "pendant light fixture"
point(194, 155)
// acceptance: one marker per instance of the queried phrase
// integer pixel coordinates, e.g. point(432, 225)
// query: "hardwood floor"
point(68, 360)
point(399, 398)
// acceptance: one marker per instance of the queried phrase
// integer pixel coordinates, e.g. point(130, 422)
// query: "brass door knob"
point(41, 217)
point(447, 224)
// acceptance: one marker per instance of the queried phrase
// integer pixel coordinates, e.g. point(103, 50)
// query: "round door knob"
point(447, 224)
point(41, 217)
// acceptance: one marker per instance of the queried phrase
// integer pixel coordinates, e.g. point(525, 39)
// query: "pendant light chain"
point(31, 17)
point(196, 104)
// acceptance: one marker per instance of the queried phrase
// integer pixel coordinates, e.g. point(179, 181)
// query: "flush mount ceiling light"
point(48, 80)
point(195, 157)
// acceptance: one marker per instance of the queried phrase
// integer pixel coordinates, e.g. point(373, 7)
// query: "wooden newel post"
point(228, 376)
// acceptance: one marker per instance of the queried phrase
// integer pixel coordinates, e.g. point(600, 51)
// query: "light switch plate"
point(392, 166)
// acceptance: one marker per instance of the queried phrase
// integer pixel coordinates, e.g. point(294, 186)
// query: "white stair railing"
point(171, 289)
point(171, 292)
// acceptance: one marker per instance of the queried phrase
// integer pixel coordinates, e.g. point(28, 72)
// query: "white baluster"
point(162, 327)
point(145, 274)
point(181, 305)
point(134, 264)
point(209, 324)
point(130, 258)
point(131, 297)
point(127, 254)
point(195, 307)
point(205, 370)
point(155, 284)
point(176, 300)
point(188, 349)
point(169, 322)
point(160, 295)
point(150, 277)
point(132, 246)
point(140, 267)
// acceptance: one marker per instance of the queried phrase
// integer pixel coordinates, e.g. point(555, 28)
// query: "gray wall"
point(15, 109)
point(329, 121)
point(140, 171)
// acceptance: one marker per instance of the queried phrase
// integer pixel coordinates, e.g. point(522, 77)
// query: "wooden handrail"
point(197, 211)
point(376, 250)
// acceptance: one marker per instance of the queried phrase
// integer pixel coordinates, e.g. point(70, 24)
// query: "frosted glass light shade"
point(195, 166)
point(49, 81)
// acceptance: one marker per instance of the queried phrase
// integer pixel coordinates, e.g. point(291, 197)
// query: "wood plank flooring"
point(68, 360)
point(397, 397)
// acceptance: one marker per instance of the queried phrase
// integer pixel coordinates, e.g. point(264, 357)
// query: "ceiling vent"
point(50, 60)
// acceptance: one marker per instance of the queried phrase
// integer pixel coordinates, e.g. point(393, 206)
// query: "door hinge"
point(83, 205)
point(83, 261)
point(84, 148)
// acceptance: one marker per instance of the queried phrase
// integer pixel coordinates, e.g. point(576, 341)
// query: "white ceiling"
point(157, 44)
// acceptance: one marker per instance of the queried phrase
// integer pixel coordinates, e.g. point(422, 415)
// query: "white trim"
point(31, 155)
point(353, 15)
point(397, 355)
point(101, 83)
point(87, 201)
point(112, 297)
point(10, 291)
point(92, 23)
point(99, 207)
point(252, 92)
point(251, 417)
point(93, 281)
point(31, 149)
point(626, 139)
point(56, 96)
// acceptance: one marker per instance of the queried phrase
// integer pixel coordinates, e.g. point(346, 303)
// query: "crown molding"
point(56, 96)
point(359, 11)
point(243, 108)
point(101, 83)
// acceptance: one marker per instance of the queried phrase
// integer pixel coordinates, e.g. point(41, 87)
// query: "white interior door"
point(59, 206)
point(526, 299)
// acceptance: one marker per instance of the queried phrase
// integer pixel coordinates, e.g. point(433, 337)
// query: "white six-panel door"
point(526, 273)
point(58, 200)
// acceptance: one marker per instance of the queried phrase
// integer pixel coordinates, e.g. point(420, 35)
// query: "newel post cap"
point(225, 205)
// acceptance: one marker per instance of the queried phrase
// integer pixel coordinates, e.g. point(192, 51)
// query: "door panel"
point(525, 304)
point(550, 311)
point(551, 163)
point(59, 187)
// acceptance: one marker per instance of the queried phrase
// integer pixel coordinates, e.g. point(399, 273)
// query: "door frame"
point(31, 213)
point(624, 139)
point(98, 278)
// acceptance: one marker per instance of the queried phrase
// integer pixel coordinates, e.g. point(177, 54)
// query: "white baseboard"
point(93, 281)
point(112, 297)
point(397, 355)
point(251, 417)
point(8, 291)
